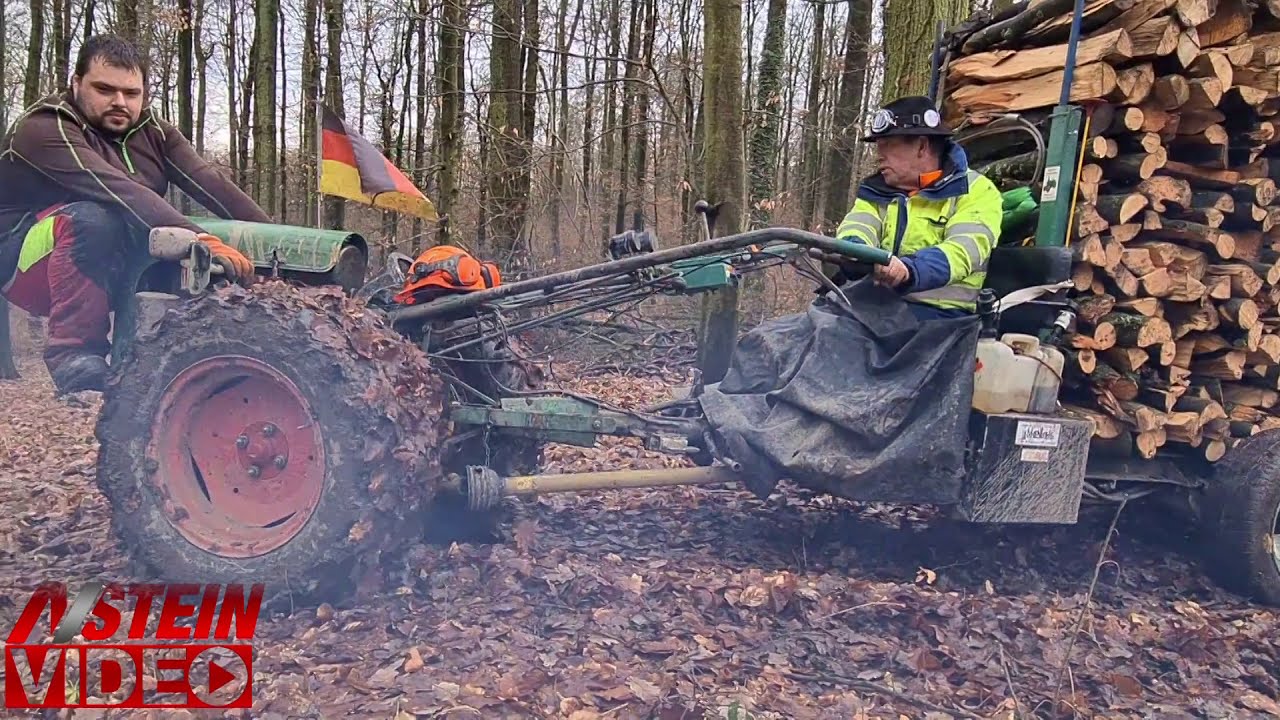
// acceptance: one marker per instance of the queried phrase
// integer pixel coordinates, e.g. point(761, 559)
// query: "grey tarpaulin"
point(864, 402)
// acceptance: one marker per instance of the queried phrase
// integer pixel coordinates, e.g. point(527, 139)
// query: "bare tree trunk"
point(724, 171)
point(528, 115)
point(844, 143)
point(641, 151)
point(233, 118)
point(610, 126)
point(31, 93)
point(812, 161)
point(127, 19)
point(628, 101)
point(8, 369)
point(451, 82)
point(485, 137)
point(186, 81)
point(64, 47)
point(247, 80)
point(282, 172)
point(791, 83)
point(265, 185)
point(90, 13)
point(310, 96)
point(589, 117)
point(35, 41)
point(203, 54)
point(690, 113)
point(560, 149)
point(335, 210)
point(406, 90)
point(909, 28)
point(420, 159)
point(764, 137)
point(60, 47)
point(505, 211)
point(366, 47)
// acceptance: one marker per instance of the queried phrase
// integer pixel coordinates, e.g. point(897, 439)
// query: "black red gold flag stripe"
point(352, 168)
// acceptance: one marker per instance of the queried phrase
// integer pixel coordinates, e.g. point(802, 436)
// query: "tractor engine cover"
point(1029, 469)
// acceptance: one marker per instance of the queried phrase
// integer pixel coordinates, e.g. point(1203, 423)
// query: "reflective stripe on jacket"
point(943, 234)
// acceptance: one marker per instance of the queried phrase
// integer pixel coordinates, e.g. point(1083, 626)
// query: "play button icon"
point(220, 676)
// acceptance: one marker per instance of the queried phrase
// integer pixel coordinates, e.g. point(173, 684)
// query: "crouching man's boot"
point(75, 373)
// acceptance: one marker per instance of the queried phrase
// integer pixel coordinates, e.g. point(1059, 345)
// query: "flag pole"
point(319, 151)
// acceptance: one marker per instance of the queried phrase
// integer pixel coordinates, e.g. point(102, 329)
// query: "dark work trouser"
point(67, 259)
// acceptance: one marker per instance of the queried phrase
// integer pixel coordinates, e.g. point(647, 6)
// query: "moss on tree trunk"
point(909, 30)
point(724, 173)
point(846, 128)
point(768, 114)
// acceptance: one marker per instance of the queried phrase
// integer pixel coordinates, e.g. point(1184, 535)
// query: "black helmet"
point(911, 115)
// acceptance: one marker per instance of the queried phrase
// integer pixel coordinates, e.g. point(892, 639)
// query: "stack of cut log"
point(1176, 229)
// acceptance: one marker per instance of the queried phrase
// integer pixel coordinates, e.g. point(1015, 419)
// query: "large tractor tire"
point(1241, 516)
point(277, 434)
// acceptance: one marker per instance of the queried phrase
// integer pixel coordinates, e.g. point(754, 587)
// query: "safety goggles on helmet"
point(885, 119)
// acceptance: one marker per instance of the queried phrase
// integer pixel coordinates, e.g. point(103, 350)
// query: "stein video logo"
point(198, 654)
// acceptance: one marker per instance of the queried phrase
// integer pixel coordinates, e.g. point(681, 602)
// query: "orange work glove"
point(237, 266)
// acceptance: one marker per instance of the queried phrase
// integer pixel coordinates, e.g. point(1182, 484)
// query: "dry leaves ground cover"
point(693, 603)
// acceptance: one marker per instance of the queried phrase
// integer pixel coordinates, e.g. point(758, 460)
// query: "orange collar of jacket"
point(926, 180)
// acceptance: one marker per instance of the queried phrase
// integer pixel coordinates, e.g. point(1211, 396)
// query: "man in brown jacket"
point(83, 176)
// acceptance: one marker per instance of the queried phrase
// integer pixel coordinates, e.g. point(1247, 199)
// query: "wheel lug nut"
point(280, 462)
point(242, 442)
point(269, 430)
point(254, 471)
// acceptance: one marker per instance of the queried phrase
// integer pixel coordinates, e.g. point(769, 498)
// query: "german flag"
point(352, 168)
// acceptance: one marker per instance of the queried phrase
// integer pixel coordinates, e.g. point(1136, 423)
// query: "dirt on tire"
point(1240, 507)
point(375, 395)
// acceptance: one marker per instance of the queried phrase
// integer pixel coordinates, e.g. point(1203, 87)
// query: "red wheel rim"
point(237, 456)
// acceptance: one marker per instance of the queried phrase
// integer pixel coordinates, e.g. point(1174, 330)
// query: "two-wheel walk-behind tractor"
point(291, 432)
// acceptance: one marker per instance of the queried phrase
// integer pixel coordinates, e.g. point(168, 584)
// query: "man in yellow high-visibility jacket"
point(938, 219)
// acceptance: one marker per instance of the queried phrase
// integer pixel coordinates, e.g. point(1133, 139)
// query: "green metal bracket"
point(555, 419)
point(713, 272)
point(1059, 184)
point(568, 420)
point(700, 274)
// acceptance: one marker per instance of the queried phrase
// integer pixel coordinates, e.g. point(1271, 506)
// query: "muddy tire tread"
point(1239, 513)
point(373, 393)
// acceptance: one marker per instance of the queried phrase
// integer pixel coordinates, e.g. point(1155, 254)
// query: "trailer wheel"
point(1241, 517)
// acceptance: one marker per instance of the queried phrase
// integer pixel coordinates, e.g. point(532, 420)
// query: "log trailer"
point(293, 432)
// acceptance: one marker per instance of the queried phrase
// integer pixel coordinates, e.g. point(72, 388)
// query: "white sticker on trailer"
point(1052, 174)
point(1037, 434)
point(1036, 455)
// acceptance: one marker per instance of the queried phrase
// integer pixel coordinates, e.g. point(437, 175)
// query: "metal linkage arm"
point(459, 305)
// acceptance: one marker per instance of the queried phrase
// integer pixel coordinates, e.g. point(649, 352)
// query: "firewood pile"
point(1176, 222)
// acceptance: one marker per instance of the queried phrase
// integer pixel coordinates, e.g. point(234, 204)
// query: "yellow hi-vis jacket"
point(943, 233)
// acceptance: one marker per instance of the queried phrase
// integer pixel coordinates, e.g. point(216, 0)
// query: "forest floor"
point(697, 603)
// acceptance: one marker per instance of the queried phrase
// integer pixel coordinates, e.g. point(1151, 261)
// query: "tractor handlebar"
point(461, 304)
point(855, 251)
